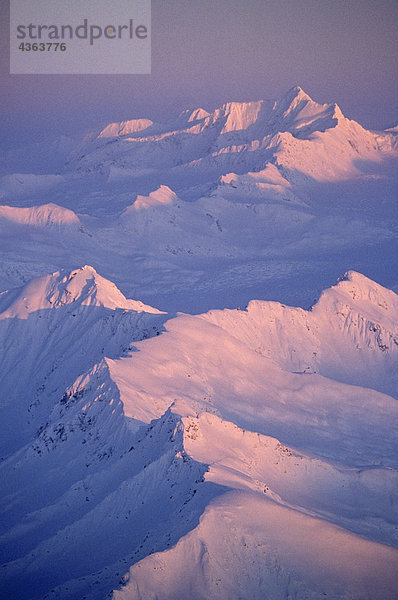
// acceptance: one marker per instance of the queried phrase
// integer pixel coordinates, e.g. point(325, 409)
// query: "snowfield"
point(231, 432)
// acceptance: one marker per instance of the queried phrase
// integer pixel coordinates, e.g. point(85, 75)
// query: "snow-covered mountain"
point(293, 132)
point(46, 215)
point(232, 443)
point(52, 329)
point(197, 443)
point(269, 199)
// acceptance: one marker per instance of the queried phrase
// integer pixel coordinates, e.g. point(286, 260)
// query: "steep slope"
point(218, 454)
point(266, 199)
point(276, 370)
point(241, 551)
point(349, 335)
point(143, 488)
point(51, 331)
point(157, 484)
point(151, 440)
point(297, 134)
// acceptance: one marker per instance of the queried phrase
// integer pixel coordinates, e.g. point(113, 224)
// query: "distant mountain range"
point(238, 441)
point(241, 136)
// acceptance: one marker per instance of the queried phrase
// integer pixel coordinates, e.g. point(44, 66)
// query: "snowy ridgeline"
point(294, 132)
point(265, 199)
point(206, 454)
point(231, 454)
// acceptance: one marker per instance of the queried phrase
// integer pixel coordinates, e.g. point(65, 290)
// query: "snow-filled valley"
point(199, 359)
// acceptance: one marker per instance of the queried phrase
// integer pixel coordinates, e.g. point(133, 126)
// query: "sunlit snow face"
point(189, 453)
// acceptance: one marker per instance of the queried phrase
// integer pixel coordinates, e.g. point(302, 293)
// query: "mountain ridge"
point(193, 417)
point(155, 452)
point(265, 131)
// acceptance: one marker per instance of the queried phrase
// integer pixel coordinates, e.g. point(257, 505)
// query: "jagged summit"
point(295, 94)
point(294, 111)
point(80, 287)
point(250, 417)
point(240, 115)
point(298, 114)
point(248, 134)
point(164, 450)
point(297, 90)
point(232, 115)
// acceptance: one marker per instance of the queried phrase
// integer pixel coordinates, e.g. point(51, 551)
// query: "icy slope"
point(274, 366)
point(222, 453)
point(152, 492)
point(125, 128)
point(240, 548)
point(294, 132)
point(349, 335)
point(54, 329)
point(209, 443)
point(138, 496)
point(249, 548)
point(275, 538)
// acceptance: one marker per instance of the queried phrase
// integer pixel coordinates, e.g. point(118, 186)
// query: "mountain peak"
point(162, 196)
point(295, 97)
point(355, 289)
point(298, 91)
point(337, 112)
point(80, 287)
point(248, 133)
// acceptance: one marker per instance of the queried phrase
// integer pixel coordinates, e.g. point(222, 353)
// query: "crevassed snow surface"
point(230, 443)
